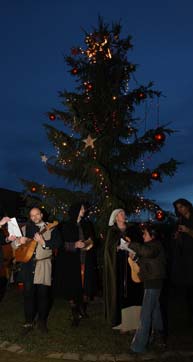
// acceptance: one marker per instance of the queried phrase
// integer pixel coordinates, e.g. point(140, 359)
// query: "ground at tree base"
point(91, 341)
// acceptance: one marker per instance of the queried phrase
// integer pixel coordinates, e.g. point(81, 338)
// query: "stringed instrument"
point(135, 268)
point(8, 257)
point(88, 244)
point(25, 251)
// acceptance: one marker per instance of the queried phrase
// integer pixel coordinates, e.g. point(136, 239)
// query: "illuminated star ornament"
point(44, 158)
point(89, 141)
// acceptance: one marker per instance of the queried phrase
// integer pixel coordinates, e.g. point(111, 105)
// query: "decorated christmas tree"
point(101, 148)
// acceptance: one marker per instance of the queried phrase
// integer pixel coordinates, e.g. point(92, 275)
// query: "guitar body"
point(8, 256)
point(88, 244)
point(25, 251)
point(135, 269)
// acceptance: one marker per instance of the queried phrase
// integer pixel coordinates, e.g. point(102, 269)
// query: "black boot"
point(42, 326)
point(26, 328)
point(83, 310)
point(75, 315)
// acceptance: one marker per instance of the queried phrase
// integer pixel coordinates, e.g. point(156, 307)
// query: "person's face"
point(182, 209)
point(120, 218)
point(36, 216)
point(146, 236)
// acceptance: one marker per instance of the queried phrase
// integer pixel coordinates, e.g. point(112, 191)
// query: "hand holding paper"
point(13, 228)
point(124, 246)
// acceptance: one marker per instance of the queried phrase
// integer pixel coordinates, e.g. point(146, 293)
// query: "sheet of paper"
point(124, 246)
point(13, 227)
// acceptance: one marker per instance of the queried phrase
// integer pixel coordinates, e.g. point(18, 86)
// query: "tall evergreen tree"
point(102, 143)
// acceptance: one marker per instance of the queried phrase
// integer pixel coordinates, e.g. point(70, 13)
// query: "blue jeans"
point(150, 319)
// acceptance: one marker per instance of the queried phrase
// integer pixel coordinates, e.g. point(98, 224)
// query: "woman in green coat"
point(123, 297)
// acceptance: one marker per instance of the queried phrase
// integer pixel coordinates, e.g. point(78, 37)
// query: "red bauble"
point(74, 71)
point(52, 117)
point(89, 87)
point(155, 175)
point(33, 189)
point(160, 215)
point(141, 95)
point(75, 51)
point(159, 137)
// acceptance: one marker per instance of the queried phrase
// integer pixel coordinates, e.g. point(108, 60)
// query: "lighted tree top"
point(99, 150)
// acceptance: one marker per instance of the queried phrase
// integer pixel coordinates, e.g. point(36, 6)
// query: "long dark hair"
point(183, 202)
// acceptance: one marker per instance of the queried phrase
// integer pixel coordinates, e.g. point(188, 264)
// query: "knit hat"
point(113, 216)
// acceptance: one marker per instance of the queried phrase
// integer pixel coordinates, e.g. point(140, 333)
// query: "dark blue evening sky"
point(34, 36)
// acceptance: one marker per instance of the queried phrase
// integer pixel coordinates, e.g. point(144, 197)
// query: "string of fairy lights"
point(97, 47)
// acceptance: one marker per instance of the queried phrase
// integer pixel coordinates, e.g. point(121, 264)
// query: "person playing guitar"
point(152, 272)
point(36, 269)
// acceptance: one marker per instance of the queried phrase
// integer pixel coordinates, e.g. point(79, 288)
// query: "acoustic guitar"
point(5, 270)
point(88, 244)
point(25, 251)
point(135, 268)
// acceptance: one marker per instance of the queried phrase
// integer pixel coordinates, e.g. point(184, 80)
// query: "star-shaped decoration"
point(44, 158)
point(89, 141)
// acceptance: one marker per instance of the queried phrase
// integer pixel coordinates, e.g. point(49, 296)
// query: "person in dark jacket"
point(3, 239)
point(3, 221)
point(182, 253)
point(75, 272)
point(152, 264)
point(122, 297)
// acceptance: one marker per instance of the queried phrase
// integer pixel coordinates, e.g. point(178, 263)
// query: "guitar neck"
point(46, 228)
point(39, 232)
point(43, 231)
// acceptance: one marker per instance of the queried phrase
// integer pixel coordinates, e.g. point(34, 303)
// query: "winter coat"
point(182, 256)
point(119, 290)
point(67, 276)
point(39, 268)
point(152, 260)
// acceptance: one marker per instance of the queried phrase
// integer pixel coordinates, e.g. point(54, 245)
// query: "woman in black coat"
point(182, 253)
point(75, 274)
point(122, 296)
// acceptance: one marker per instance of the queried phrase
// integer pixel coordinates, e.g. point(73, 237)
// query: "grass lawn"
point(92, 336)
